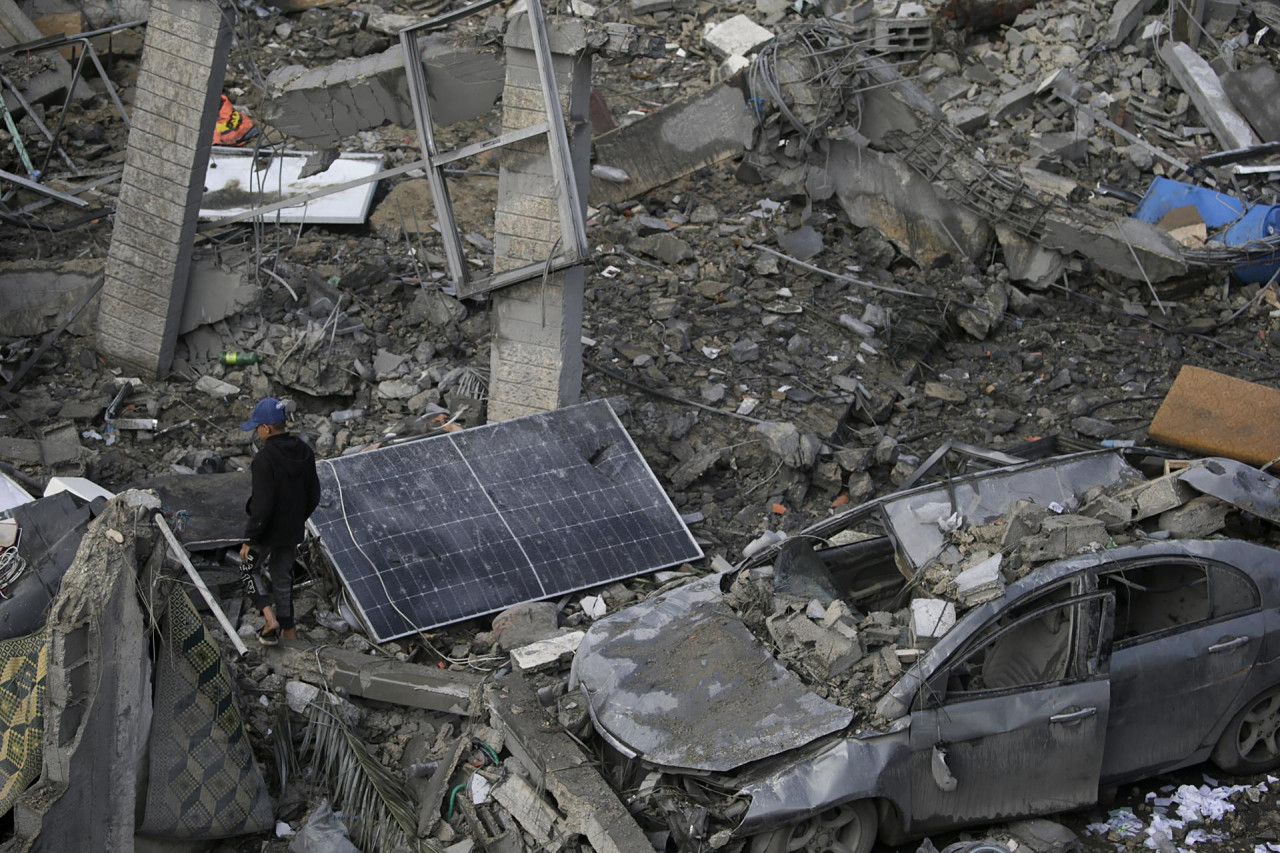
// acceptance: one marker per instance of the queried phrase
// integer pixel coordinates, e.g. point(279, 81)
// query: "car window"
point(1157, 599)
point(1051, 643)
point(1231, 592)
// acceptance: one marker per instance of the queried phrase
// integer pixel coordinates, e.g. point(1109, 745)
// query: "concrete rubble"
point(826, 239)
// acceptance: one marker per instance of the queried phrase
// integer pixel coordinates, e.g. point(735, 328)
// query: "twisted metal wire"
point(834, 52)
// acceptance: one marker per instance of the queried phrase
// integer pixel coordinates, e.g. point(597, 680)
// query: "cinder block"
point(1064, 536)
point(738, 36)
point(1196, 519)
point(1156, 496)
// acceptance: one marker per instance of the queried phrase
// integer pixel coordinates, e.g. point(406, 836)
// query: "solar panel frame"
point(527, 537)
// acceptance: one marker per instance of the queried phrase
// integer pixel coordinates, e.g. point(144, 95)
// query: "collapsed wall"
point(98, 695)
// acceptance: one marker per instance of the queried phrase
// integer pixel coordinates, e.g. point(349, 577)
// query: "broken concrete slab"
point(1198, 518)
point(1125, 15)
point(1218, 415)
point(673, 142)
point(1154, 497)
point(1254, 91)
point(215, 387)
point(98, 707)
point(527, 805)
point(525, 623)
point(379, 678)
point(327, 104)
point(1127, 247)
point(980, 583)
point(1198, 79)
point(1015, 101)
point(1028, 261)
point(37, 295)
point(558, 765)
point(829, 652)
point(56, 446)
point(214, 294)
point(881, 191)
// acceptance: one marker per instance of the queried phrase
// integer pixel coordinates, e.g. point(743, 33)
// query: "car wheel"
point(847, 828)
point(1251, 741)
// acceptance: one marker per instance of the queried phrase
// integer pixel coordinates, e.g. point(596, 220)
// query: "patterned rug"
point(24, 669)
point(204, 782)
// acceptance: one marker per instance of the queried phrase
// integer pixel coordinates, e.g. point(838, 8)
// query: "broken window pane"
point(1042, 645)
point(1157, 599)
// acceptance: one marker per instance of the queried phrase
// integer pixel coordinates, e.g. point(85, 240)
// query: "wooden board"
point(1219, 415)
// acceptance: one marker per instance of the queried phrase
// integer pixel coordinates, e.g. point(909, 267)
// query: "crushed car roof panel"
point(917, 517)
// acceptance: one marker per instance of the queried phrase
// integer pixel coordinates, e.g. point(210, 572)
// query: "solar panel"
point(431, 532)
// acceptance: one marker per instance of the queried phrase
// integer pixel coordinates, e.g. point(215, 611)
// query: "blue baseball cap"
point(268, 411)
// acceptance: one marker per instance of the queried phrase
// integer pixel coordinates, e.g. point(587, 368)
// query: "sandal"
point(270, 638)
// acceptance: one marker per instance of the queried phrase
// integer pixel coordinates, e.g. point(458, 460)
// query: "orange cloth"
point(233, 127)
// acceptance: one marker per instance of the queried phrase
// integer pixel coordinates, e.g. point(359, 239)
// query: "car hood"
point(680, 681)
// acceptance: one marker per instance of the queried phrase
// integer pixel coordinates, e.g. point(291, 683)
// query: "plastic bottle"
point(240, 358)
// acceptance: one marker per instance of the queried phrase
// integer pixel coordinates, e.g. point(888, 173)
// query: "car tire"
point(1251, 741)
point(846, 828)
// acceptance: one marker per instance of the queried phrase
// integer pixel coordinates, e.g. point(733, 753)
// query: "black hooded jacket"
point(286, 490)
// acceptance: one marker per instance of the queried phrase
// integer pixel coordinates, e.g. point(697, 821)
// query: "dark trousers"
point(278, 567)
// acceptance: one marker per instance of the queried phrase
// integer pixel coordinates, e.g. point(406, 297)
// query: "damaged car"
point(999, 645)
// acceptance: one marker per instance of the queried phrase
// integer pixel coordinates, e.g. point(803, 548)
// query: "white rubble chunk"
point(931, 619)
point(980, 583)
point(215, 387)
point(546, 653)
point(738, 36)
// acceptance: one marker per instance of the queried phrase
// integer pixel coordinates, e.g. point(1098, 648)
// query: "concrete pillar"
point(536, 350)
point(183, 62)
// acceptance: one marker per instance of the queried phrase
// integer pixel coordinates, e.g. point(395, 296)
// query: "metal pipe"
point(62, 116)
point(111, 89)
point(50, 42)
point(175, 547)
point(40, 125)
point(41, 188)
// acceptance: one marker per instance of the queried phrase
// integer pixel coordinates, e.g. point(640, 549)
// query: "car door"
point(1018, 716)
point(1187, 632)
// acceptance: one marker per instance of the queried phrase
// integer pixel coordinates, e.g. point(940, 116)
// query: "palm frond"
point(382, 814)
